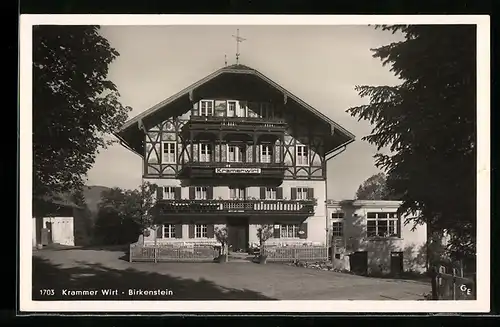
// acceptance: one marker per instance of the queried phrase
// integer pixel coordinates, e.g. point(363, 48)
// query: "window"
point(382, 224)
point(289, 231)
point(200, 193)
point(270, 193)
point(302, 155)
point(237, 193)
point(205, 152)
point(169, 150)
point(337, 229)
point(266, 153)
point(169, 193)
point(169, 231)
point(206, 108)
point(234, 153)
point(231, 108)
point(200, 231)
point(266, 110)
point(301, 193)
point(338, 215)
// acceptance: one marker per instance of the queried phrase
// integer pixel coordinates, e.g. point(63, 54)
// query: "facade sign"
point(237, 170)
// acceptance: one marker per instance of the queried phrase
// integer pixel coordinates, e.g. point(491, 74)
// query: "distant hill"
point(93, 196)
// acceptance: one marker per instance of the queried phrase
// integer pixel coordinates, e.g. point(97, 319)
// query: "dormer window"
point(206, 108)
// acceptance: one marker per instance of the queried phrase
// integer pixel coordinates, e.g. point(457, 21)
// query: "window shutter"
point(177, 193)
point(262, 193)
point(243, 150)
point(210, 231)
point(210, 192)
point(191, 192)
point(191, 231)
point(159, 232)
point(294, 193)
point(159, 192)
point(310, 193)
point(303, 230)
point(279, 193)
point(195, 110)
point(276, 231)
point(399, 226)
point(178, 231)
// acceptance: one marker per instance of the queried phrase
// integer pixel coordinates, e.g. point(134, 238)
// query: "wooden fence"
point(162, 253)
point(292, 253)
point(452, 286)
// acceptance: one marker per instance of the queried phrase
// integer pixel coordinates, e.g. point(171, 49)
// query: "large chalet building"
point(236, 149)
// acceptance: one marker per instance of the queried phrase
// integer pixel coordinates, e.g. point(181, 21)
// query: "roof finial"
point(238, 40)
point(225, 60)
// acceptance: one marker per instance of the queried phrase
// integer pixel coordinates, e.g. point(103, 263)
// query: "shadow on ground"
point(96, 277)
point(108, 248)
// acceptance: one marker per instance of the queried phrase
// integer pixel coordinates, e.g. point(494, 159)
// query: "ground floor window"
point(169, 231)
point(337, 229)
point(382, 224)
point(289, 231)
point(200, 231)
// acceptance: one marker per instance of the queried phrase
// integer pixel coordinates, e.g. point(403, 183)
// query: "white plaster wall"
point(316, 224)
point(412, 242)
point(62, 230)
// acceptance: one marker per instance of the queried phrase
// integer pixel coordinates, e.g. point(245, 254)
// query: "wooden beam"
point(285, 98)
point(191, 95)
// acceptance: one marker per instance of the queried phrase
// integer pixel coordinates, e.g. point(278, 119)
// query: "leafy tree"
point(74, 105)
point(374, 188)
point(222, 236)
point(428, 122)
point(125, 214)
point(264, 232)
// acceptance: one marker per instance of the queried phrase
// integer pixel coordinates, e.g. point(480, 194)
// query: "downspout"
point(343, 147)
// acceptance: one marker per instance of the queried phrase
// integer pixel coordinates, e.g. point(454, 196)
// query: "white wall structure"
point(316, 225)
point(374, 229)
point(62, 230)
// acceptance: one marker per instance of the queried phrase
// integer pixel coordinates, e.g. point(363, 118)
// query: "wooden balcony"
point(198, 124)
point(236, 207)
point(239, 170)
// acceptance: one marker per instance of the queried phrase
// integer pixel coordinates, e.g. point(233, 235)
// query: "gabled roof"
point(136, 122)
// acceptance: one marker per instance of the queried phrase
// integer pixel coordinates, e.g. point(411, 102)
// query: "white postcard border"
point(482, 304)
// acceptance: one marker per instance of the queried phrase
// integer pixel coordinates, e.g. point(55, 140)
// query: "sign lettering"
point(237, 170)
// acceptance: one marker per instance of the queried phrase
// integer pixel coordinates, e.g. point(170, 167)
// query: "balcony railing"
point(224, 122)
point(236, 207)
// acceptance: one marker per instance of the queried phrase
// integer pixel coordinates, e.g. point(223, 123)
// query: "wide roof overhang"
point(237, 82)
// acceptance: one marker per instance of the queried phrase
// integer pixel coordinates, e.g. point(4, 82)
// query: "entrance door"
point(237, 237)
point(359, 262)
point(396, 263)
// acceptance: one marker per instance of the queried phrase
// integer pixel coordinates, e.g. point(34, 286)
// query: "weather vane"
point(239, 39)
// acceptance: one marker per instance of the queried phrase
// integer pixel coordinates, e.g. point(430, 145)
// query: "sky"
point(319, 64)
